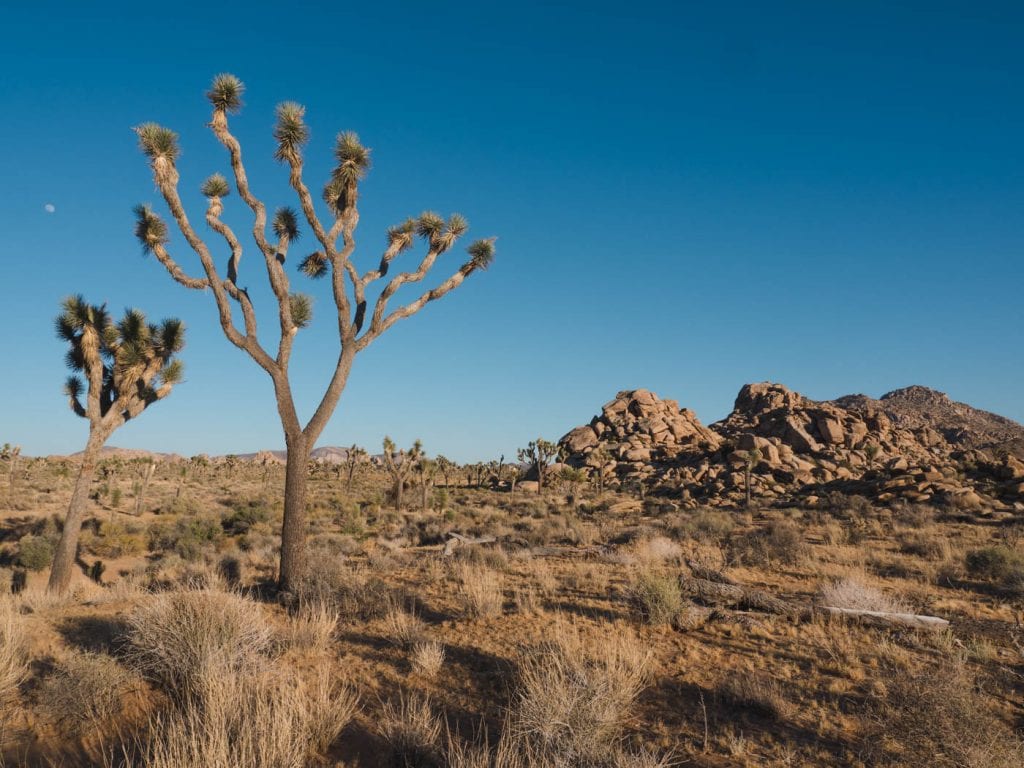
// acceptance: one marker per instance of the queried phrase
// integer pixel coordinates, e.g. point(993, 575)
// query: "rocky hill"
point(913, 444)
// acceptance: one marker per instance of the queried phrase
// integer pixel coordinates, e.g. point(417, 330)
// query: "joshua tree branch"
point(275, 272)
point(231, 284)
point(381, 324)
point(170, 194)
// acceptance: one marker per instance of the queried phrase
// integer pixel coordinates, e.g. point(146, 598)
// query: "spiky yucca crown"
point(290, 130)
point(286, 223)
point(150, 229)
point(136, 356)
point(216, 186)
point(158, 142)
point(225, 93)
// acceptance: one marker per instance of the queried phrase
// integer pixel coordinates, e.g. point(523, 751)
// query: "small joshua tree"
point(357, 327)
point(400, 465)
point(126, 367)
point(539, 454)
point(11, 454)
point(871, 451)
point(751, 459)
point(445, 466)
point(426, 472)
point(354, 456)
point(600, 458)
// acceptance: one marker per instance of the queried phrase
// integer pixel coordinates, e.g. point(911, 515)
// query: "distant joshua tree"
point(354, 456)
point(11, 454)
point(426, 471)
point(601, 457)
point(445, 466)
point(357, 328)
point(126, 366)
point(539, 454)
point(400, 465)
point(751, 459)
point(871, 450)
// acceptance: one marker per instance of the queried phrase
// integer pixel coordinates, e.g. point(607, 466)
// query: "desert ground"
point(487, 623)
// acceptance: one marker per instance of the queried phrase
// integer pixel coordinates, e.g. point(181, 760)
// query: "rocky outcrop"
point(799, 450)
point(640, 434)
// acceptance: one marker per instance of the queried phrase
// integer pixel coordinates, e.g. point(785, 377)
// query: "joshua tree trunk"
point(747, 473)
point(399, 485)
point(67, 547)
point(147, 475)
point(293, 529)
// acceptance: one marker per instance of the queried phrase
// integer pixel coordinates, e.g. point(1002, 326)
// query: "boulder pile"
point(913, 444)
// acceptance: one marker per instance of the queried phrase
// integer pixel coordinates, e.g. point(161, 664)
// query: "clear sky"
point(688, 196)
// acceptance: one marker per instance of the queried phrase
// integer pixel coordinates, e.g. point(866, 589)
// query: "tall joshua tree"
point(357, 328)
point(354, 456)
point(539, 454)
point(126, 366)
point(400, 465)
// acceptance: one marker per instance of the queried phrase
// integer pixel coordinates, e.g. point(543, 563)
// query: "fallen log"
point(886, 618)
point(456, 540)
point(716, 593)
point(710, 574)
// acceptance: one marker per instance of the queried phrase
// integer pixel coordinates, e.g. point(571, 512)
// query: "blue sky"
point(687, 198)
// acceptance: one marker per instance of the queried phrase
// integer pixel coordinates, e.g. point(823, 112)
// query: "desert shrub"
point(486, 557)
point(754, 693)
point(412, 732)
point(114, 540)
point(186, 537)
point(657, 596)
point(35, 552)
point(1000, 564)
point(13, 649)
point(853, 593)
point(229, 568)
point(658, 549)
point(353, 595)
point(939, 717)
point(403, 628)
point(780, 542)
point(252, 720)
point(711, 524)
point(481, 590)
point(86, 692)
point(244, 516)
point(312, 626)
point(427, 658)
point(186, 639)
point(573, 697)
point(924, 545)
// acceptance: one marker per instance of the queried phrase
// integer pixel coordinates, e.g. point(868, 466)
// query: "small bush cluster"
point(781, 542)
point(1000, 564)
point(657, 596)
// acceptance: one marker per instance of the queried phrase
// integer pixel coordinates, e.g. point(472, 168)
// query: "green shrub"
point(35, 552)
point(657, 596)
point(245, 516)
point(114, 540)
point(781, 542)
point(1000, 564)
point(188, 537)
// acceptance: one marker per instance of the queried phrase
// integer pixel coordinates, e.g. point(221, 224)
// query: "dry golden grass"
point(517, 656)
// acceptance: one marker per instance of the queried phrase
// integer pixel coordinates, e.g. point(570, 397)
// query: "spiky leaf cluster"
point(481, 253)
point(130, 356)
point(216, 186)
point(353, 158)
point(225, 93)
point(290, 130)
point(158, 142)
point(400, 236)
point(314, 265)
point(150, 229)
point(302, 309)
point(286, 223)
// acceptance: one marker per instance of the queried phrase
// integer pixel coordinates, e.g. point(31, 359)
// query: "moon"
point(49, 208)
